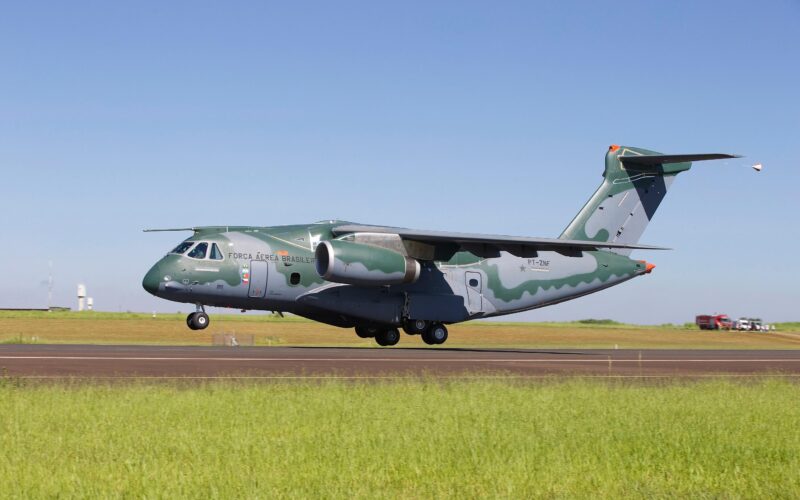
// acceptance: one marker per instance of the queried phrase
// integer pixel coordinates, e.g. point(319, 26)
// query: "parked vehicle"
point(756, 325)
point(714, 322)
point(723, 322)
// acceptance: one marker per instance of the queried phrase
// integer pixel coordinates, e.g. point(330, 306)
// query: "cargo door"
point(474, 292)
point(258, 278)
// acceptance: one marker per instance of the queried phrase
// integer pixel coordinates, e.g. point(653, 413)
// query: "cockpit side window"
point(180, 249)
point(199, 252)
point(216, 254)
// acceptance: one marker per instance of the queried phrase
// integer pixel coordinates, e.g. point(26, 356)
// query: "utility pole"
point(50, 285)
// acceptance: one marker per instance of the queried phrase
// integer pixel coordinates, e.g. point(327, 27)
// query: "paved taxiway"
point(56, 361)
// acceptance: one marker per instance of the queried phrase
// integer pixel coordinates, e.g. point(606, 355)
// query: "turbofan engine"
point(365, 265)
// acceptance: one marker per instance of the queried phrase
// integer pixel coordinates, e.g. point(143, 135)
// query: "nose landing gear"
point(198, 320)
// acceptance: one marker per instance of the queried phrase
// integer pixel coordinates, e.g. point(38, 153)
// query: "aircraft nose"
point(152, 279)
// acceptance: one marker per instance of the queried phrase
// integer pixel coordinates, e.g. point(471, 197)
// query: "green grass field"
point(407, 439)
point(137, 328)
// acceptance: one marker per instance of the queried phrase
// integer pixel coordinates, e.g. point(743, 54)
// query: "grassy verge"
point(103, 315)
point(137, 328)
point(401, 439)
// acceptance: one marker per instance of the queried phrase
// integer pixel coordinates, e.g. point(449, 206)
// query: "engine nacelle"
point(365, 265)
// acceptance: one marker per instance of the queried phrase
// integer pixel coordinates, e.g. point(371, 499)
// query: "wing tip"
point(161, 230)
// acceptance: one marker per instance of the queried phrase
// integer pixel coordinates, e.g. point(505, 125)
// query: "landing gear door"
point(258, 278)
point(474, 292)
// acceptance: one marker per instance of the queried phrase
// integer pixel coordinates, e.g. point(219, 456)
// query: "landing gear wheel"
point(366, 332)
point(436, 334)
point(199, 321)
point(387, 337)
point(415, 326)
point(190, 321)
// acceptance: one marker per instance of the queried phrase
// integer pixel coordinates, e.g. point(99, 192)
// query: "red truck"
point(714, 322)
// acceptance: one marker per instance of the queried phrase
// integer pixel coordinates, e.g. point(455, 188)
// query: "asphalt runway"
point(104, 361)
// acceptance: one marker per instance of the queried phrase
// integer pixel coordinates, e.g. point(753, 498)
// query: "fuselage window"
point(215, 252)
point(294, 279)
point(199, 252)
point(473, 283)
point(186, 245)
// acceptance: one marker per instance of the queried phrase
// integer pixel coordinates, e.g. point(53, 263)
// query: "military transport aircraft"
point(377, 279)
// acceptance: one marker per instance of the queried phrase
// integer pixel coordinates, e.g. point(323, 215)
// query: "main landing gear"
point(384, 337)
point(198, 320)
point(435, 334)
point(388, 337)
point(432, 333)
point(366, 332)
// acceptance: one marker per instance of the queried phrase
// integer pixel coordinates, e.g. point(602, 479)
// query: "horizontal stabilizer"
point(662, 159)
point(635, 181)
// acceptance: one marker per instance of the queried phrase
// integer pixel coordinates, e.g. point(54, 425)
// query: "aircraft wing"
point(485, 244)
point(199, 229)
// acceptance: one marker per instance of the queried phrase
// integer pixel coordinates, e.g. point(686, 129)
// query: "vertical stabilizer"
point(626, 201)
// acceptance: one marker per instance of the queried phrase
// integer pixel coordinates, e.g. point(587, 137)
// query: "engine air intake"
point(365, 265)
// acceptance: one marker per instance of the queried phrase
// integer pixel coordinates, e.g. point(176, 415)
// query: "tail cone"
point(648, 267)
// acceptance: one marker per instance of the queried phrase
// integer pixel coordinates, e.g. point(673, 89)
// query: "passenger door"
point(474, 295)
point(258, 278)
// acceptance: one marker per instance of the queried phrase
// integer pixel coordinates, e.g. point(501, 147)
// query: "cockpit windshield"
point(216, 254)
point(180, 249)
point(199, 252)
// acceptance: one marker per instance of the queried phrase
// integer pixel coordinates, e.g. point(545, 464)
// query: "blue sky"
point(486, 117)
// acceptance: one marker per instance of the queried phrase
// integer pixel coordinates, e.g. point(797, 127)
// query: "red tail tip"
point(648, 267)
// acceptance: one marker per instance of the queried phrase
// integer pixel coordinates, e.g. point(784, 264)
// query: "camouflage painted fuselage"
point(354, 275)
point(273, 268)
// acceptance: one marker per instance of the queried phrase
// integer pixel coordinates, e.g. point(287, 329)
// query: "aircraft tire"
point(436, 334)
point(200, 321)
point(415, 326)
point(388, 337)
point(190, 321)
point(366, 332)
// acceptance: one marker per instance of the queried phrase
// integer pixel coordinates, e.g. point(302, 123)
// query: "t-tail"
point(634, 183)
